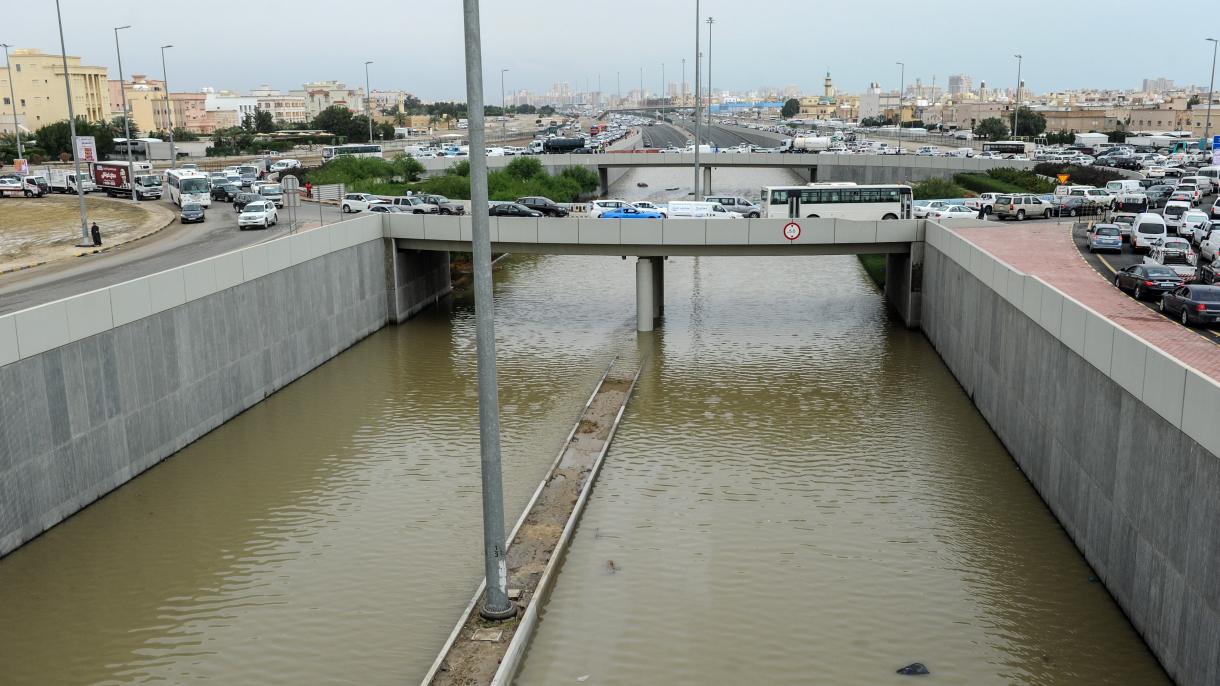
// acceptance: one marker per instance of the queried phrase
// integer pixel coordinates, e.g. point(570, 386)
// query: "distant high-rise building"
point(1157, 86)
point(960, 83)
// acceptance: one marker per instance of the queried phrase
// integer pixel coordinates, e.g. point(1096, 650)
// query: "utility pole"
point(642, 99)
point(13, 99)
point(1207, 127)
point(86, 239)
point(698, 111)
point(368, 99)
point(496, 604)
point(618, 80)
point(131, 172)
point(1017, 106)
point(902, 84)
point(710, 21)
point(169, 112)
point(504, 105)
point(682, 92)
point(664, 89)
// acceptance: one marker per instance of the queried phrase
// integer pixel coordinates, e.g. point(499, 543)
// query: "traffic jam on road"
point(1165, 250)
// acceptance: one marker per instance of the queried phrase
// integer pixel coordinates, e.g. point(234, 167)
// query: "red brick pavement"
point(1046, 250)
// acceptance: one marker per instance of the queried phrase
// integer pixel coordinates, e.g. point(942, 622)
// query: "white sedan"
point(953, 212)
point(645, 205)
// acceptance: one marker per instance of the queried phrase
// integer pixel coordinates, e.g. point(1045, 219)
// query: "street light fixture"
point(1207, 127)
point(169, 112)
point(13, 99)
point(368, 99)
point(1017, 106)
point(86, 240)
point(131, 173)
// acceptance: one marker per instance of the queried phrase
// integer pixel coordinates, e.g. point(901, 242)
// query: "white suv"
point(597, 207)
point(258, 213)
point(358, 202)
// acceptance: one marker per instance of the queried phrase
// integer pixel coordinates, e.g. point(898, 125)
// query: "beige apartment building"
point(284, 109)
point(38, 86)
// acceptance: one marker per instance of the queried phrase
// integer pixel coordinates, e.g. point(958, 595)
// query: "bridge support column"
point(658, 287)
point(645, 300)
point(904, 284)
point(707, 181)
point(603, 177)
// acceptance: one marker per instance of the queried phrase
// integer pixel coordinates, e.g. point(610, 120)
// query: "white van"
point(686, 209)
point(1211, 174)
point(1174, 211)
point(1123, 186)
point(1205, 184)
point(1148, 227)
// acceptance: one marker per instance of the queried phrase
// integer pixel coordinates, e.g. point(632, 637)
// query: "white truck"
point(64, 181)
point(805, 144)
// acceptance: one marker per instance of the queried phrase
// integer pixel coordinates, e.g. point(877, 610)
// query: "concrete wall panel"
point(1130, 358)
point(199, 279)
point(166, 290)
point(725, 232)
point(130, 301)
point(684, 231)
point(9, 352)
point(405, 225)
point(1098, 341)
point(445, 228)
point(254, 263)
point(230, 269)
point(595, 231)
point(1201, 397)
point(1050, 314)
point(42, 328)
point(898, 231)
point(279, 255)
point(89, 314)
point(520, 230)
point(1164, 386)
point(635, 231)
point(855, 232)
point(1071, 325)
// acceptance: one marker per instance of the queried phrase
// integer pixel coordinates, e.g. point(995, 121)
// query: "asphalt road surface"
point(173, 246)
point(663, 136)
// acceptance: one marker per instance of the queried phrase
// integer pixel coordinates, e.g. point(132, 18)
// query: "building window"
point(18, 67)
point(7, 101)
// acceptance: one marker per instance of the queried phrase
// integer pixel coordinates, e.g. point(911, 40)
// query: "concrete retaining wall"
point(1119, 439)
point(96, 388)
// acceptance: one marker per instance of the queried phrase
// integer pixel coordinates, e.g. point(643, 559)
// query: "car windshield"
point(1107, 231)
point(254, 207)
point(271, 189)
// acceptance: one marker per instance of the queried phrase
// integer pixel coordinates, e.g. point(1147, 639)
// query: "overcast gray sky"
point(417, 46)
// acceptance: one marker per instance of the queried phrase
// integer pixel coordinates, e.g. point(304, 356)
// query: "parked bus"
point(188, 186)
point(838, 200)
point(1010, 147)
point(330, 152)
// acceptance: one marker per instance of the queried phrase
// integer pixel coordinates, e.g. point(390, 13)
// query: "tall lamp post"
point(504, 104)
point(368, 99)
point(169, 112)
point(682, 92)
point(1207, 127)
point(13, 99)
point(902, 85)
point(1017, 106)
point(86, 240)
point(710, 21)
point(496, 605)
point(131, 180)
point(698, 111)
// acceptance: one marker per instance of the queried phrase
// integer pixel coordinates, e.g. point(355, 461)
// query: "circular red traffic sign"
point(792, 231)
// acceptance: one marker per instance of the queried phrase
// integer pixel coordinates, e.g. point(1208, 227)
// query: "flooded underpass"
point(799, 493)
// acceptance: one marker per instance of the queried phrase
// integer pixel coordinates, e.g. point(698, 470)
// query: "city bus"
point(838, 200)
point(330, 152)
point(1010, 147)
point(188, 186)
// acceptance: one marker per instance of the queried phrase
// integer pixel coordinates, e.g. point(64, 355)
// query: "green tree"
point(525, 109)
point(524, 168)
point(383, 130)
point(56, 138)
point(936, 189)
point(335, 119)
point(1194, 100)
point(790, 109)
point(263, 121)
point(407, 167)
point(546, 111)
point(992, 129)
point(876, 121)
point(1030, 123)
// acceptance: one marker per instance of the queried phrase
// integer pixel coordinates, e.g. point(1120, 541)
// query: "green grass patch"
point(982, 183)
point(874, 266)
point(937, 189)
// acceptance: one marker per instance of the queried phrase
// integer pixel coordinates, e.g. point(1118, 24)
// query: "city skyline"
point(206, 56)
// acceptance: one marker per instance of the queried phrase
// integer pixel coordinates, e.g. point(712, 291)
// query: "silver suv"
point(736, 203)
point(1021, 207)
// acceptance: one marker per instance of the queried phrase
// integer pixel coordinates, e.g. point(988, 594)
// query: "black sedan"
point(544, 205)
point(1145, 280)
point(1076, 206)
point(191, 213)
point(1158, 195)
point(225, 191)
point(512, 209)
point(242, 199)
point(1193, 304)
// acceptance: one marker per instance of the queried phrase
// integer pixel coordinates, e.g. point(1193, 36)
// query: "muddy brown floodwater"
point(799, 493)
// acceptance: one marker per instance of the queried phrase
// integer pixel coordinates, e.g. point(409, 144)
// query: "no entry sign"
point(792, 231)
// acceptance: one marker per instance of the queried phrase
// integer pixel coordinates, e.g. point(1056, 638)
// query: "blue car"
point(1105, 237)
point(631, 213)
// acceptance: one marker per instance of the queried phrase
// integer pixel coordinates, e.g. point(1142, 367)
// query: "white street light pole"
point(169, 111)
point(698, 110)
point(504, 105)
point(131, 172)
point(710, 21)
point(902, 84)
point(13, 99)
point(86, 239)
point(368, 99)
point(1207, 127)
point(1017, 97)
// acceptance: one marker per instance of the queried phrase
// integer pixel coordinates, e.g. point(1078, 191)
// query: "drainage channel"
point(479, 651)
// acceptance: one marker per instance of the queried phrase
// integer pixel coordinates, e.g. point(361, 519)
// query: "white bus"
point(188, 186)
point(838, 201)
point(330, 152)
point(1010, 147)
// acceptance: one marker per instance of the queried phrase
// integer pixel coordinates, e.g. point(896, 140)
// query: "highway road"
point(173, 246)
point(663, 136)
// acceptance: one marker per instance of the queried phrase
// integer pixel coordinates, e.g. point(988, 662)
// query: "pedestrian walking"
point(97, 234)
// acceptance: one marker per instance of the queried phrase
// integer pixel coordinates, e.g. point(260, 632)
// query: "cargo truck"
point(116, 178)
point(806, 144)
point(562, 145)
point(63, 181)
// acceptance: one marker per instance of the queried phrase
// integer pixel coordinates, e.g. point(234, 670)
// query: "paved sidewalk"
point(1046, 250)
